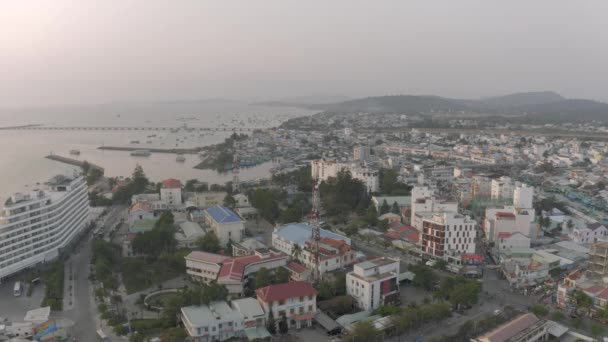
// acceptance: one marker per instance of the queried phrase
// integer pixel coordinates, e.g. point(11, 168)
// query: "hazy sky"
point(92, 51)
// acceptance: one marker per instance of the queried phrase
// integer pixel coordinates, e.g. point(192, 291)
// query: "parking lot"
point(14, 308)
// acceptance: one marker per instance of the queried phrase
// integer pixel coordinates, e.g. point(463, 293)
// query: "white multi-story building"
point(36, 225)
point(507, 241)
point(447, 234)
point(374, 282)
point(296, 300)
point(361, 153)
point(423, 201)
point(220, 321)
point(171, 192)
point(502, 188)
point(322, 169)
point(508, 219)
point(523, 196)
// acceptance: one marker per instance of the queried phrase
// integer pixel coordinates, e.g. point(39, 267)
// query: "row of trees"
point(137, 184)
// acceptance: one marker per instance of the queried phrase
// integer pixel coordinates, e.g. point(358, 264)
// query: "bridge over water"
point(129, 128)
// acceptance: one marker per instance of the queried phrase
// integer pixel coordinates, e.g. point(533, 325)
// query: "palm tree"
point(296, 252)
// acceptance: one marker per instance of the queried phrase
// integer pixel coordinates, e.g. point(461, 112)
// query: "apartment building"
point(502, 188)
point(36, 225)
point(374, 283)
point(424, 201)
point(296, 300)
point(171, 192)
point(447, 233)
point(598, 259)
point(322, 169)
point(361, 153)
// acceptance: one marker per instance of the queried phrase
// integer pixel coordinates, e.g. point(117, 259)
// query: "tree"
point(423, 276)
point(558, 316)
point(372, 215)
point(570, 224)
point(364, 331)
point(395, 208)
point(271, 325)
point(296, 252)
point(583, 301)
point(383, 225)
point(190, 185)
point(209, 243)
point(539, 310)
point(176, 334)
point(384, 208)
point(229, 201)
point(262, 278)
point(283, 327)
point(290, 215)
point(281, 275)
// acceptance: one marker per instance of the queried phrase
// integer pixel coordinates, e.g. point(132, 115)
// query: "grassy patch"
point(138, 274)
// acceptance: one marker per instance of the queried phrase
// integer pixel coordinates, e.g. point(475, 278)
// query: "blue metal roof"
point(299, 233)
point(222, 214)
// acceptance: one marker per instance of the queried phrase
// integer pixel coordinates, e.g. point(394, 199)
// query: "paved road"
point(83, 310)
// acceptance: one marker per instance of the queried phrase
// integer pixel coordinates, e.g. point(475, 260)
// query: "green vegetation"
point(106, 261)
point(557, 316)
point(202, 294)
point(263, 278)
point(539, 310)
point(137, 184)
point(459, 291)
point(389, 185)
point(159, 240)
point(413, 317)
point(266, 201)
point(139, 274)
point(209, 243)
point(330, 289)
point(364, 331)
point(342, 195)
point(301, 177)
point(221, 156)
point(193, 185)
point(424, 276)
point(53, 279)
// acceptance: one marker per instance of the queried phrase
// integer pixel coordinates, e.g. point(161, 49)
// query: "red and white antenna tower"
point(316, 230)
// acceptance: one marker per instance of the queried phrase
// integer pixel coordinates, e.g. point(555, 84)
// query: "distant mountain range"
point(539, 105)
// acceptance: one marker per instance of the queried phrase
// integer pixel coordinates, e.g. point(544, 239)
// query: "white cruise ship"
point(35, 225)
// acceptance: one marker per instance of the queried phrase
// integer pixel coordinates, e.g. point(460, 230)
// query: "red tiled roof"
point(207, 257)
point(296, 267)
point(141, 205)
point(594, 289)
point(392, 235)
point(504, 235)
point(603, 294)
point(412, 235)
point(171, 183)
point(503, 214)
point(284, 291)
point(234, 268)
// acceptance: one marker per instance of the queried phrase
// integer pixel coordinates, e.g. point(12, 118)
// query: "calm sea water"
point(22, 152)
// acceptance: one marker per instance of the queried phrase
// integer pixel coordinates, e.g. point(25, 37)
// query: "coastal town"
point(354, 235)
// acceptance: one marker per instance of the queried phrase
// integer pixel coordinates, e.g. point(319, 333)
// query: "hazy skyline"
point(57, 52)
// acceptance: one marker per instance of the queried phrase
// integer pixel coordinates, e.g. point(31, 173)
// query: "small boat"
point(134, 141)
point(75, 152)
point(140, 153)
point(180, 158)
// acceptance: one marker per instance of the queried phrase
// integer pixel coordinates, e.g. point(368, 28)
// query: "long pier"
point(127, 128)
point(194, 150)
point(72, 161)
